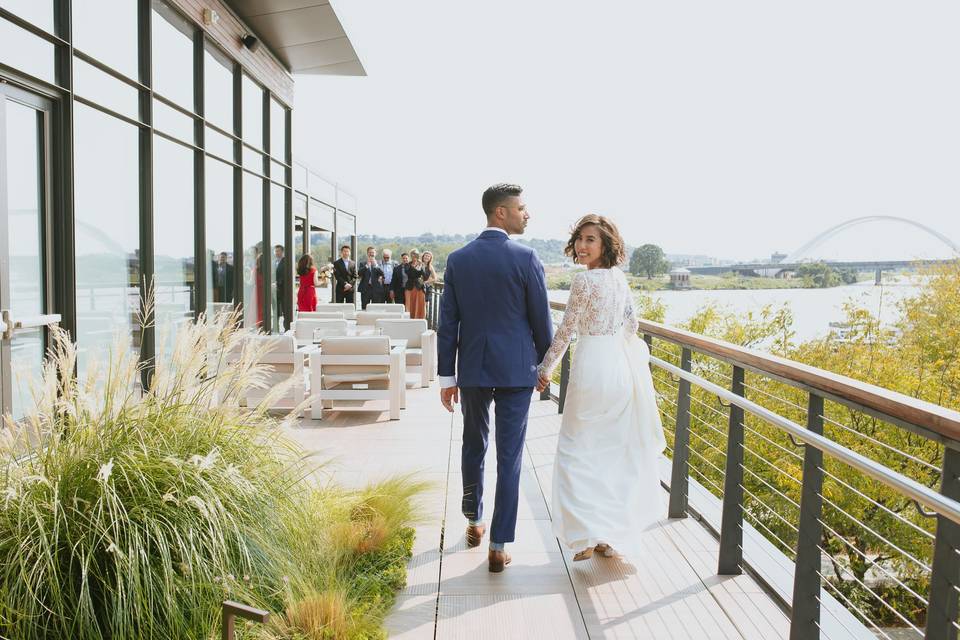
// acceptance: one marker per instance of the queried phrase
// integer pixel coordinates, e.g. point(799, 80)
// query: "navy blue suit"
point(495, 328)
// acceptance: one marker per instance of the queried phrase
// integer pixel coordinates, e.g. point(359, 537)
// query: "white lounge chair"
point(286, 360)
point(306, 331)
point(356, 368)
point(369, 319)
point(386, 307)
point(421, 353)
point(320, 315)
point(348, 309)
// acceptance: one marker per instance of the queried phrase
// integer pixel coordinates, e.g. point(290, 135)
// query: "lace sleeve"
point(576, 305)
point(630, 320)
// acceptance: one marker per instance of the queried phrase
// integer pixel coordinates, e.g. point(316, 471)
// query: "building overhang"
point(305, 35)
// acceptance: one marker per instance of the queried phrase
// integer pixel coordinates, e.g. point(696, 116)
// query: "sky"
point(732, 129)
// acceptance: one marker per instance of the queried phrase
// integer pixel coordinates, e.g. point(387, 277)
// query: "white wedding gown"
point(606, 486)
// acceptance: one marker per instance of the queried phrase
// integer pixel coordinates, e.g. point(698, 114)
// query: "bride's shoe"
point(586, 554)
point(605, 550)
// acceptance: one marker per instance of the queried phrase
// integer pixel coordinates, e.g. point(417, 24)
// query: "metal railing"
point(819, 485)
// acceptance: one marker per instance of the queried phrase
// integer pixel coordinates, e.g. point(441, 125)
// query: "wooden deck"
point(669, 590)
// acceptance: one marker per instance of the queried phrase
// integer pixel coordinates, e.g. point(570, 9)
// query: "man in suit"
point(400, 279)
point(495, 328)
point(345, 272)
point(391, 270)
point(222, 279)
point(280, 275)
point(371, 279)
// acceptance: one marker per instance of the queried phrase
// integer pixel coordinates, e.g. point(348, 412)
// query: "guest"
point(309, 281)
point(222, 279)
point(430, 275)
point(345, 271)
point(371, 280)
point(400, 280)
point(280, 273)
point(390, 268)
point(414, 298)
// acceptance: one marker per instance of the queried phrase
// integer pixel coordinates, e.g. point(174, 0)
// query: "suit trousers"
point(512, 404)
point(344, 296)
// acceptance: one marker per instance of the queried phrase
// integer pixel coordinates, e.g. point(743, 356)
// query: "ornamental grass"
point(130, 513)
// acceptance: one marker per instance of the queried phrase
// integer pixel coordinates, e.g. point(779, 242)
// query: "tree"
point(818, 275)
point(648, 259)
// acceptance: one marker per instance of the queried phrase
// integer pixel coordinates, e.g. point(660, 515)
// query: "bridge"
point(801, 255)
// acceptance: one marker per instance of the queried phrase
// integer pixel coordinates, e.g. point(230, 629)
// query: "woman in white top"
point(606, 488)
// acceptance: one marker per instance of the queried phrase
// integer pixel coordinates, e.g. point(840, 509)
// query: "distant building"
point(777, 257)
point(680, 278)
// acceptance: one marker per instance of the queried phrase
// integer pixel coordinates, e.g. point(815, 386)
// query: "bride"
point(606, 488)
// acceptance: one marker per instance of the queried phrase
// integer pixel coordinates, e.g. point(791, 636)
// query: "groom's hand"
point(449, 397)
point(543, 382)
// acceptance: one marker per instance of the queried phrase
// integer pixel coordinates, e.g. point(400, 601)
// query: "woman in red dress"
point(309, 281)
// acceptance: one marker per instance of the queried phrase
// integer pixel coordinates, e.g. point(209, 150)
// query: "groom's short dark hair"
point(495, 196)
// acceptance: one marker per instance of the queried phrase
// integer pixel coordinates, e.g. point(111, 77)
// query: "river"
point(813, 309)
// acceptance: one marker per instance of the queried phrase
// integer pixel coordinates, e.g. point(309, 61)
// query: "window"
point(278, 216)
point(322, 189)
point(172, 122)
point(172, 55)
point(107, 206)
point(108, 32)
point(100, 87)
point(173, 201)
point(346, 225)
point(37, 12)
point(253, 280)
point(21, 49)
point(219, 144)
point(252, 113)
point(321, 215)
point(218, 89)
point(278, 131)
point(219, 232)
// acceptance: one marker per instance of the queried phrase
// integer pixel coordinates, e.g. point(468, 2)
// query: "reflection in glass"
point(173, 202)
point(37, 12)
point(219, 231)
point(252, 113)
point(172, 55)
point(278, 131)
point(24, 215)
point(107, 31)
point(173, 122)
point(107, 205)
point(218, 89)
point(93, 84)
point(253, 281)
point(278, 208)
point(22, 50)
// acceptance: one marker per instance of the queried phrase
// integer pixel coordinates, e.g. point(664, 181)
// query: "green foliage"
point(819, 275)
point(648, 260)
point(141, 513)
point(878, 545)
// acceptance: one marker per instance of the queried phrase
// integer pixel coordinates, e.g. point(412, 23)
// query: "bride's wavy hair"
point(614, 252)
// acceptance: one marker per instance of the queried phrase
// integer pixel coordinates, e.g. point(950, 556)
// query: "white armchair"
point(320, 315)
point(386, 307)
point(348, 309)
point(421, 353)
point(368, 319)
point(306, 331)
point(356, 368)
point(286, 360)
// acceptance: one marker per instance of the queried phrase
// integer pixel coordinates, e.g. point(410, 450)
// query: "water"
point(813, 309)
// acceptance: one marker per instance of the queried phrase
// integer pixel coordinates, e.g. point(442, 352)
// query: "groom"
point(495, 327)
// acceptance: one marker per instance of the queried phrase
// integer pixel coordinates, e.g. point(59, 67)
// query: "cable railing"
point(839, 496)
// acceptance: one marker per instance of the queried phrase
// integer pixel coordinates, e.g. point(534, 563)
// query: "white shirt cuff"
point(448, 381)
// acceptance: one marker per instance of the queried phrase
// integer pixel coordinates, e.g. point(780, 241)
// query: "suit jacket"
point(225, 293)
point(396, 284)
point(495, 324)
point(280, 275)
point(365, 274)
point(344, 275)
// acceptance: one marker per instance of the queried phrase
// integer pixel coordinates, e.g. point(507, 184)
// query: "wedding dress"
point(606, 486)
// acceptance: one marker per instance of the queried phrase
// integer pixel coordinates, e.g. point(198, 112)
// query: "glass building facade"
point(140, 160)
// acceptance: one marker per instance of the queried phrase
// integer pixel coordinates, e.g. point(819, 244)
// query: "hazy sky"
point(727, 128)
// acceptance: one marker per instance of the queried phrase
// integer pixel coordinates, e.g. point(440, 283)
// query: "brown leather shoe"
point(475, 534)
point(498, 560)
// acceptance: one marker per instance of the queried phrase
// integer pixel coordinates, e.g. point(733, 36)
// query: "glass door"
point(25, 302)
